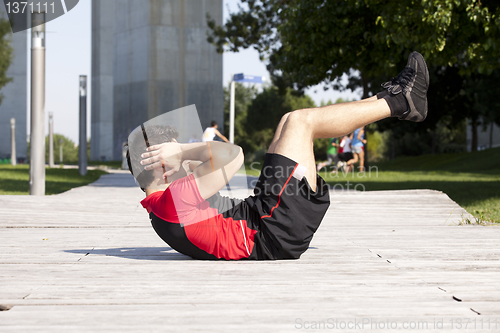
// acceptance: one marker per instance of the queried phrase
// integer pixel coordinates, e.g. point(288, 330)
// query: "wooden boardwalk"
point(88, 261)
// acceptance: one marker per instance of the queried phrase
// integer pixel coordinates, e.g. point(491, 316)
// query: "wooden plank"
point(91, 253)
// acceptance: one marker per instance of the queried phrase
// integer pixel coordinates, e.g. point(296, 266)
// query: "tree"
point(257, 114)
point(5, 53)
point(481, 100)
point(266, 110)
point(310, 41)
point(315, 41)
point(70, 150)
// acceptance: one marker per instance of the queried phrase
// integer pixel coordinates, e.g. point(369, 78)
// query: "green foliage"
point(255, 27)
point(257, 115)
point(377, 145)
point(5, 52)
point(399, 140)
point(329, 102)
point(317, 40)
point(266, 110)
point(70, 150)
point(310, 41)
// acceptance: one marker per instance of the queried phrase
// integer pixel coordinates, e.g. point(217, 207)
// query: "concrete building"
point(101, 129)
point(14, 102)
point(150, 57)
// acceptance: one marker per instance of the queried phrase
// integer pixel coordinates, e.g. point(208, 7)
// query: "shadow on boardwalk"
point(137, 253)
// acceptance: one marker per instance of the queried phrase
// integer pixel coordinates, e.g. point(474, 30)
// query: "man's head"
point(213, 124)
point(140, 138)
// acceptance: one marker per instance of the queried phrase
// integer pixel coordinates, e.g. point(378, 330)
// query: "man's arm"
point(221, 136)
point(194, 164)
point(219, 162)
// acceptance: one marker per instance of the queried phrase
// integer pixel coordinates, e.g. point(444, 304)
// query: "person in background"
point(357, 146)
point(211, 132)
point(331, 155)
point(346, 153)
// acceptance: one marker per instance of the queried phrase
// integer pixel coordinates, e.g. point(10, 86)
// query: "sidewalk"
point(88, 261)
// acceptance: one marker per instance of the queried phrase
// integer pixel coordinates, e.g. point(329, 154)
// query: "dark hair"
point(141, 137)
point(213, 123)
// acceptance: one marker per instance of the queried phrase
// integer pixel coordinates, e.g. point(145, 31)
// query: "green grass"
point(470, 179)
point(14, 180)
point(109, 164)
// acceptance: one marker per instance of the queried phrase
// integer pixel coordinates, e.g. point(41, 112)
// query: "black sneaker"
point(413, 82)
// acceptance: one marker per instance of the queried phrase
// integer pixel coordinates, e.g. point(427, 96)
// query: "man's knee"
point(301, 118)
point(284, 118)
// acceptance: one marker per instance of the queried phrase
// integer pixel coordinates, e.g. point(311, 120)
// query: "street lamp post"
point(239, 78)
point(82, 148)
point(13, 157)
point(231, 113)
point(51, 140)
point(37, 141)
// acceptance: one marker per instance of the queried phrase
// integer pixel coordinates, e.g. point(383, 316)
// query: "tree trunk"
point(365, 86)
point(433, 151)
point(474, 135)
point(491, 135)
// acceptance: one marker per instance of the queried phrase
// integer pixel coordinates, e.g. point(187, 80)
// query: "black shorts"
point(346, 156)
point(284, 210)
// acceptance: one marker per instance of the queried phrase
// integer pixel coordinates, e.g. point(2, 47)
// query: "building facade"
point(14, 97)
point(150, 57)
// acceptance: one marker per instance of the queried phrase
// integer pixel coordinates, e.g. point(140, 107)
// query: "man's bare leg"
point(277, 133)
point(405, 98)
point(299, 128)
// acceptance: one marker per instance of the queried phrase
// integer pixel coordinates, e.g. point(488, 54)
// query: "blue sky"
point(68, 53)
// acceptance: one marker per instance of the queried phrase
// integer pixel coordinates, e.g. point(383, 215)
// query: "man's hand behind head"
point(166, 156)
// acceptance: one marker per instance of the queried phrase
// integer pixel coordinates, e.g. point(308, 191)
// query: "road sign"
point(248, 78)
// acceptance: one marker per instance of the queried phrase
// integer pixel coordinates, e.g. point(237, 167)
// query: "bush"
point(377, 145)
point(69, 149)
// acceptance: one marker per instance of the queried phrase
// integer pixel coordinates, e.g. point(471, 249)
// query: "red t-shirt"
point(204, 226)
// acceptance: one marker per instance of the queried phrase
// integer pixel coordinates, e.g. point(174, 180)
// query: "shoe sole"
point(414, 114)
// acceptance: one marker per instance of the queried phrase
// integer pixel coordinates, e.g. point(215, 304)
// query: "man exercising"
point(290, 199)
